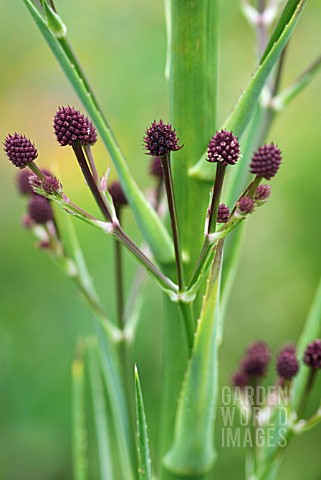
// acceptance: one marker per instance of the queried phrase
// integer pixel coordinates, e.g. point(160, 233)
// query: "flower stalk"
point(168, 181)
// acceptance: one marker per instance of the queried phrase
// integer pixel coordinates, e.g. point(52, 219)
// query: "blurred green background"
point(122, 47)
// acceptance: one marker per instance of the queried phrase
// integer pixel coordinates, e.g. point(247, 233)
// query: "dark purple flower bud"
point(155, 168)
point(117, 194)
point(40, 209)
point(20, 150)
point(256, 360)
point(266, 161)
point(23, 181)
point(224, 147)
point(49, 183)
point(240, 379)
point(72, 126)
point(287, 365)
point(223, 213)
point(262, 193)
point(312, 355)
point(160, 139)
point(245, 205)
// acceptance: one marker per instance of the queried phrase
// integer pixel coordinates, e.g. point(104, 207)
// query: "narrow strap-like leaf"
point(120, 414)
point(192, 451)
point(152, 228)
point(311, 331)
point(100, 415)
point(144, 461)
point(79, 432)
point(283, 99)
point(243, 111)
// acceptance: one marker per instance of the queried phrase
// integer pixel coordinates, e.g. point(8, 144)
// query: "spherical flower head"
point(48, 184)
point(72, 126)
point(256, 360)
point(22, 182)
point(117, 194)
point(262, 194)
point(39, 209)
point(155, 168)
point(160, 139)
point(224, 148)
point(245, 205)
point(312, 355)
point(240, 379)
point(287, 365)
point(20, 150)
point(266, 161)
point(223, 213)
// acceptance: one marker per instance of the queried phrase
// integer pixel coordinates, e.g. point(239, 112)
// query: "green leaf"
point(79, 432)
point(192, 451)
point(286, 17)
point(150, 225)
point(112, 378)
point(100, 417)
point(144, 465)
point(283, 99)
point(310, 332)
point(243, 111)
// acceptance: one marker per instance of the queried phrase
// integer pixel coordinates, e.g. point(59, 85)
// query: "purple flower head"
point(262, 193)
point(312, 355)
point(287, 365)
point(22, 182)
point(20, 150)
point(256, 359)
point(240, 379)
point(245, 205)
point(223, 213)
point(39, 209)
point(160, 139)
point(49, 183)
point(223, 147)
point(155, 168)
point(117, 194)
point(266, 161)
point(72, 126)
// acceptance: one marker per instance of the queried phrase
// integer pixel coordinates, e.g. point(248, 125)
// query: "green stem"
point(119, 284)
point(189, 321)
point(163, 280)
point(310, 382)
point(208, 247)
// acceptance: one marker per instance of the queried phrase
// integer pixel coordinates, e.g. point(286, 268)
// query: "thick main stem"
point(192, 72)
point(166, 164)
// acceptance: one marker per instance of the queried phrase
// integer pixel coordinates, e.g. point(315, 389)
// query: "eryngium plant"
point(197, 164)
